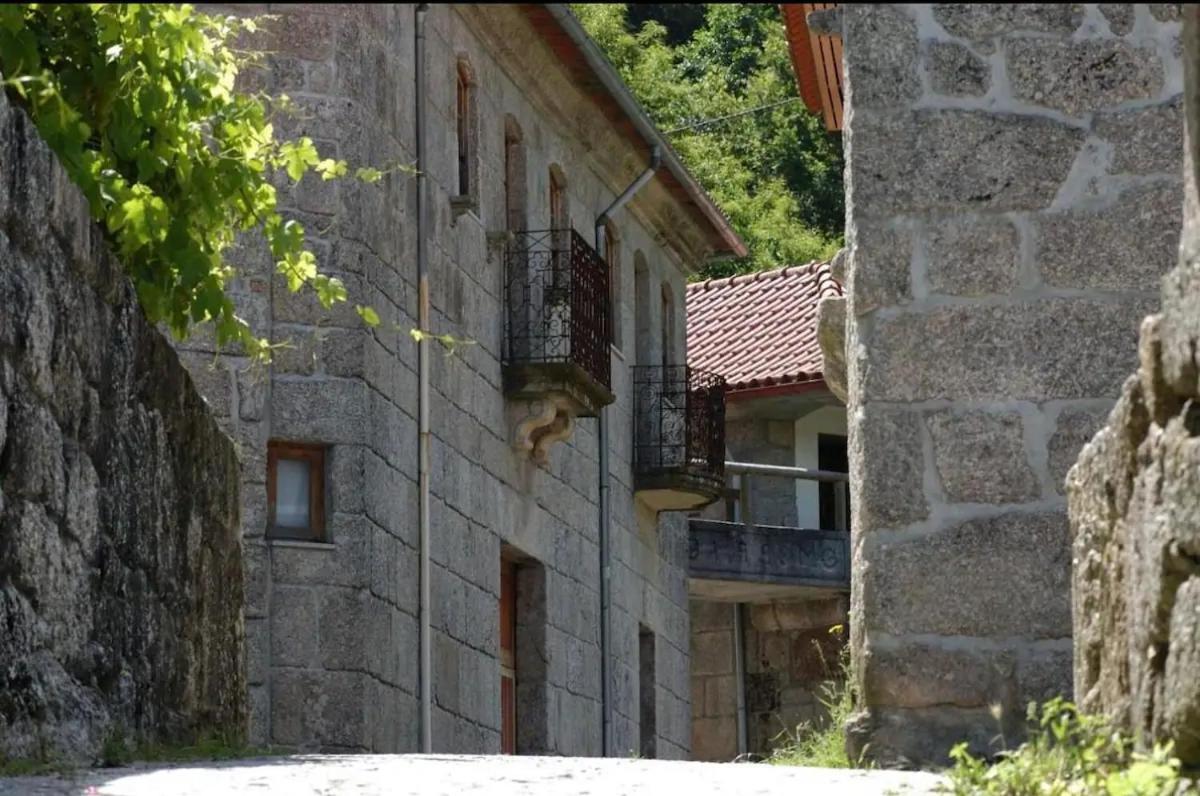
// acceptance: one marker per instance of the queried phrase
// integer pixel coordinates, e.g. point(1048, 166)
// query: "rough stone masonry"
point(1013, 197)
point(1135, 508)
point(120, 552)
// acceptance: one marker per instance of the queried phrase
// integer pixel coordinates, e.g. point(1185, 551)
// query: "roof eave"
point(607, 74)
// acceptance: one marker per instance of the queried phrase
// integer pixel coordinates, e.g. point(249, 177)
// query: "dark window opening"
point(464, 131)
point(508, 657)
point(833, 455)
point(647, 693)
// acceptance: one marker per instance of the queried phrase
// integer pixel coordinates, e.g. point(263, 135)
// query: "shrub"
point(824, 746)
point(1069, 753)
point(138, 102)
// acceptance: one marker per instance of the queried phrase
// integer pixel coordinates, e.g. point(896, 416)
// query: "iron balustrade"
point(556, 292)
point(679, 429)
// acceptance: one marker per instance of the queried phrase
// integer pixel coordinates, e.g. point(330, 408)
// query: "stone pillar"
point(714, 682)
point(1135, 508)
point(1013, 198)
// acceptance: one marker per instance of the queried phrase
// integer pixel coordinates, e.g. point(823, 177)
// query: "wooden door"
point(508, 658)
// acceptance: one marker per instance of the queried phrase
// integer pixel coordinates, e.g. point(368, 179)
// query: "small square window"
point(296, 491)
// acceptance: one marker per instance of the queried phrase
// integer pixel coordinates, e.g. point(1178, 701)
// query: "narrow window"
point(647, 692)
point(560, 224)
point(668, 328)
point(296, 491)
point(508, 657)
point(643, 329)
point(558, 201)
point(514, 177)
point(612, 259)
point(833, 498)
point(465, 113)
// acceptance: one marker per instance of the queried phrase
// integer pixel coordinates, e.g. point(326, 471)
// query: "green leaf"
point(369, 316)
point(297, 156)
point(368, 174)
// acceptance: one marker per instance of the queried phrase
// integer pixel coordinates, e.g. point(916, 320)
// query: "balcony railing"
point(558, 331)
point(679, 432)
point(751, 561)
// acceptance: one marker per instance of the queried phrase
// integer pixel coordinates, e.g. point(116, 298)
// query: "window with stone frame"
point(560, 223)
point(467, 133)
point(667, 334)
point(515, 200)
point(612, 258)
point(296, 491)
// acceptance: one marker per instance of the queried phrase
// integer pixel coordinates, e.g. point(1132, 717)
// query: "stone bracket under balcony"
point(732, 562)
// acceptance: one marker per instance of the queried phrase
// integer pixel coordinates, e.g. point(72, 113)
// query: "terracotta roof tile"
point(759, 330)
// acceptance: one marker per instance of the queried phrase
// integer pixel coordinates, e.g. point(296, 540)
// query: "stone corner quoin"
point(1014, 194)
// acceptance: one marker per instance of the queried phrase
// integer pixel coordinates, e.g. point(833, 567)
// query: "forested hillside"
point(775, 172)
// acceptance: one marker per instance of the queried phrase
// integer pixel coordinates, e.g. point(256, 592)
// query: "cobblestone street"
point(454, 775)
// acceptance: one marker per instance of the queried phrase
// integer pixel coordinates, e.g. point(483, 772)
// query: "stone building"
point(1013, 196)
point(762, 646)
point(533, 503)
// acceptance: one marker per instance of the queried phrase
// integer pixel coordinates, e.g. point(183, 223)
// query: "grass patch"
point(34, 768)
point(1070, 753)
point(118, 751)
point(824, 746)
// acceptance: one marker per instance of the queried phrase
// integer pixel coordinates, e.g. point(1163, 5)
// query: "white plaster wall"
point(826, 420)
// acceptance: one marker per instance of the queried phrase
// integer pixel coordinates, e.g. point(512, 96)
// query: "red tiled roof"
point(759, 330)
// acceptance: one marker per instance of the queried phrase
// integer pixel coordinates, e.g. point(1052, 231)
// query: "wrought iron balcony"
point(558, 330)
point(679, 436)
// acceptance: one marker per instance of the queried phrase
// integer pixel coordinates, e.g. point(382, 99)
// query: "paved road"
point(462, 775)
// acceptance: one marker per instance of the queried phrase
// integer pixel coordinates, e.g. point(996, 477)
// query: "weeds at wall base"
point(824, 746)
point(118, 751)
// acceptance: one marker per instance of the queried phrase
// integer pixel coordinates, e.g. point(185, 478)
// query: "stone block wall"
point(789, 653)
point(1013, 196)
point(332, 630)
point(120, 556)
point(773, 500)
point(714, 682)
point(792, 658)
point(1134, 499)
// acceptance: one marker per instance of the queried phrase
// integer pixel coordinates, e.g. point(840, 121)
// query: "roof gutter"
point(607, 74)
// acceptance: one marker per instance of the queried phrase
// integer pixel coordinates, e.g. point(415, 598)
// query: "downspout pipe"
point(424, 437)
point(605, 480)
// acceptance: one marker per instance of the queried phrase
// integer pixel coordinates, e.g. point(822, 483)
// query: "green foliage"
point(824, 746)
point(118, 751)
point(1070, 754)
point(776, 172)
point(138, 102)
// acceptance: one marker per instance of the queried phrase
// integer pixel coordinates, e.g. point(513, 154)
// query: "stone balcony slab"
point(734, 562)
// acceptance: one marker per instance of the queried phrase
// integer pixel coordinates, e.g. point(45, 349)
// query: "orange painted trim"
point(816, 61)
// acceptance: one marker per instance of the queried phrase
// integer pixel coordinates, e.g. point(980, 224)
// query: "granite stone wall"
point(120, 556)
point(332, 632)
point(1013, 197)
point(789, 653)
point(1134, 499)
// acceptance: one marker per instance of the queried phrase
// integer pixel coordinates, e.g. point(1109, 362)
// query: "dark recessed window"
point(296, 491)
point(834, 506)
point(465, 113)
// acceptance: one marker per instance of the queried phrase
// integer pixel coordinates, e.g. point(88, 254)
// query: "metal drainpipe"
point(424, 440)
point(739, 671)
point(605, 487)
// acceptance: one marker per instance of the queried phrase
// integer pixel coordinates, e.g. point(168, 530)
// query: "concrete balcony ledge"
point(729, 561)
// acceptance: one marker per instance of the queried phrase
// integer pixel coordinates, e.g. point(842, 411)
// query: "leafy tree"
point(138, 102)
point(776, 172)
